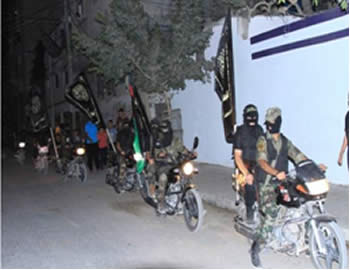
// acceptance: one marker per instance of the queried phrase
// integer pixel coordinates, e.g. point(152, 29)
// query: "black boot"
point(254, 254)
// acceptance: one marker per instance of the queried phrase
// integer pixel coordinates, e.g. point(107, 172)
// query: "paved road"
point(50, 224)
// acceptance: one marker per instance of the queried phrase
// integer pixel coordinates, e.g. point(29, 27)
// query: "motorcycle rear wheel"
point(334, 241)
point(193, 210)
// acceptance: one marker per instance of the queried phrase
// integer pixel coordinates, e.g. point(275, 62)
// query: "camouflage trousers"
point(268, 212)
point(122, 168)
point(157, 174)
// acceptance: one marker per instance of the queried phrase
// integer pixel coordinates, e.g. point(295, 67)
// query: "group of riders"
point(259, 158)
point(167, 148)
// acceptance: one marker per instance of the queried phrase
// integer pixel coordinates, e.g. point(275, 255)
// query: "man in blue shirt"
point(91, 145)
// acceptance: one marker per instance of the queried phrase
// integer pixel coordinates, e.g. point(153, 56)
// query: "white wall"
point(309, 84)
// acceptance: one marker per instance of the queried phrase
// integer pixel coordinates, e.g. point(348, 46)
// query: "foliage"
point(300, 8)
point(159, 55)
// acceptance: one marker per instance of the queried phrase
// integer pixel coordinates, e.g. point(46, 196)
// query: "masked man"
point(244, 151)
point(273, 152)
point(167, 151)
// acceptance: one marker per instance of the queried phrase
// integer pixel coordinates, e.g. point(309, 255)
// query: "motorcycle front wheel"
point(333, 240)
point(193, 210)
point(82, 172)
point(43, 165)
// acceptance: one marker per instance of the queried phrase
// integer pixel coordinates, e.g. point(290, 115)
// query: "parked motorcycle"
point(20, 154)
point(181, 195)
point(302, 225)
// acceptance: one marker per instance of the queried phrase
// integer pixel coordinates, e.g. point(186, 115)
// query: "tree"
point(300, 8)
point(159, 55)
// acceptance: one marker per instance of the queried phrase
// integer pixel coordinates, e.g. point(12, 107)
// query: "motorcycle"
point(181, 196)
point(76, 168)
point(130, 181)
point(41, 163)
point(20, 154)
point(302, 224)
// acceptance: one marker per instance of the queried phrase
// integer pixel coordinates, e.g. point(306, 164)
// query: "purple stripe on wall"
point(322, 17)
point(302, 43)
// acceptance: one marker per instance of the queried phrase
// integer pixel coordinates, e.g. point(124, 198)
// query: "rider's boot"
point(254, 254)
point(152, 191)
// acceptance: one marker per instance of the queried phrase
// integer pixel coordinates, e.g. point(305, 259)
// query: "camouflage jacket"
point(172, 151)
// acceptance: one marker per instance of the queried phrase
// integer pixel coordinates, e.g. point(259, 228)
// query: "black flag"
point(81, 96)
point(38, 112)
point(224, 80)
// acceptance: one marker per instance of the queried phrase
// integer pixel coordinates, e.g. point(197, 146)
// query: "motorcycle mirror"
point(195, 142)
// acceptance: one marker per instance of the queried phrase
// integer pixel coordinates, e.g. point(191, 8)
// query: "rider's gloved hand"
point(322, 167)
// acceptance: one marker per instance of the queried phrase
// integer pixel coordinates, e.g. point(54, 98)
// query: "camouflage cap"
point(272, 114)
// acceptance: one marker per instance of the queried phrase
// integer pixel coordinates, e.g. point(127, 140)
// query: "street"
point(47, 223)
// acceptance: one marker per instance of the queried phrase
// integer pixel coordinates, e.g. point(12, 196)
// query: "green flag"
point(139, 158)
point(143, 136)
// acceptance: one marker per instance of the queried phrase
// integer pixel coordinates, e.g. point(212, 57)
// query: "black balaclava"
point(274, 127)
point(155, 132)
point(250, 115)
point(166, 133)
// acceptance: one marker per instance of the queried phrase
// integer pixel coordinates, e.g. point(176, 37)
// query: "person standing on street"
point(112, 131)
point(91, 145)
point(102, 147)
point(345, 144)
point(244, 151)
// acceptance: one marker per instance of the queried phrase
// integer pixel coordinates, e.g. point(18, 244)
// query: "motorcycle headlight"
point(80, 151)
point(188, 168)
point(43, 150)
point(22, 145)
point(318, 187)
point(138, 157)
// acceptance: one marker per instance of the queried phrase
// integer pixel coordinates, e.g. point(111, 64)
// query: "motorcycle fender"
point(324, 218)
point(188, 187)
point(79, 160)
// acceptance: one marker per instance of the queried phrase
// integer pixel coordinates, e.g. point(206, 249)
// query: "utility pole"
point(68, 50)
